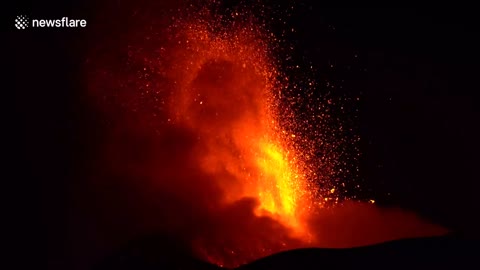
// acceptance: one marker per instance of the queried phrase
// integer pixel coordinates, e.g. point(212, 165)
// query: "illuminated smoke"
point(226, 151)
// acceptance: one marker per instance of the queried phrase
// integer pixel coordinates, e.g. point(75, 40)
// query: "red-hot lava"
point(198, 128)
point(224, 94)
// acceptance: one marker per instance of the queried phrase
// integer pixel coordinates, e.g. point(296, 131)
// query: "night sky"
point(416, 71)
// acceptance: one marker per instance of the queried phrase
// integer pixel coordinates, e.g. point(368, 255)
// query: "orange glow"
point(279, 194)
point(201, 121)
point(225, 94)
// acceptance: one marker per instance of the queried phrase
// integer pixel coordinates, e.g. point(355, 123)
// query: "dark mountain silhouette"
point(153, 252)
point(446, 252)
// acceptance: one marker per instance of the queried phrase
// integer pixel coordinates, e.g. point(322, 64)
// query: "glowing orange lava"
point(217, 80)
point(200, 120)
point(225, 84)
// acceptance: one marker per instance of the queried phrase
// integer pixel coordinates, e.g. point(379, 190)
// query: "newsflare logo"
point(23, 22)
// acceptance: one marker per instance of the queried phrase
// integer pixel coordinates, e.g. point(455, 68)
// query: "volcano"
point(446, 252)
point(215, 144)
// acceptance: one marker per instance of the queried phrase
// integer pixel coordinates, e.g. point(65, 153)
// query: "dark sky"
point(416, 71)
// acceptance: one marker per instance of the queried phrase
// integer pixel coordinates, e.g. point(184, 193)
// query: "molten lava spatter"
point(224, 92)
point(202, 120)
point(216, 78)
